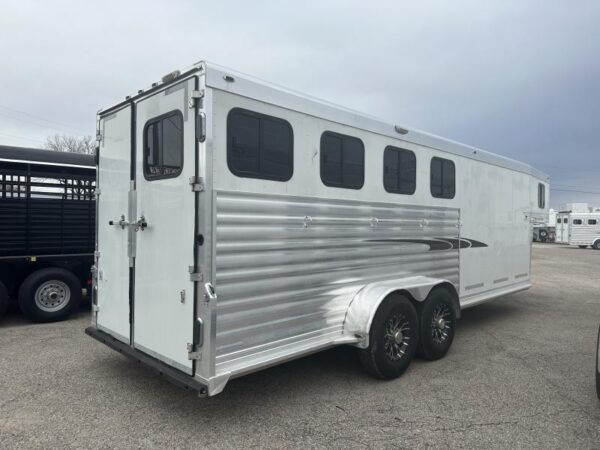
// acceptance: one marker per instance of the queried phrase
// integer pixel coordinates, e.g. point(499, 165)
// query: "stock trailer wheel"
point(393, 338)
point(50, 294)
point(437, 322)
point(597, 245)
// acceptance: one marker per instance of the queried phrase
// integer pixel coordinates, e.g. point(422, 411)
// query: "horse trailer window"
point(259, 146)
point(558, 220)
point(163, 146)
point(541, 196)
point(592, 222)
point(566, 220)
point(399, 171)
point(443, 178)
point(342, 161)
point(577, 221)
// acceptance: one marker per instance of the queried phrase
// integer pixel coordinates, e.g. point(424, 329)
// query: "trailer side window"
point(163, 146)
point(443, 181)
point(342, 161)
point(558, 220)
point(592, 222)
point(399, 171)
point(541, 196)
point(577, 222)
point(259, 146)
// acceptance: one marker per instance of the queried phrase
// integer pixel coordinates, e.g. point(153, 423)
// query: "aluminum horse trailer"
point(241, 225)
point(585, 229)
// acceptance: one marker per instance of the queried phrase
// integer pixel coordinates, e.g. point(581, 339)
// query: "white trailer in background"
point(585, 229)
point(241, 225)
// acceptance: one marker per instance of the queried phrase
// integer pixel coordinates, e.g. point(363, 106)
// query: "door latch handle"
point(141, 224)
point(121, 223)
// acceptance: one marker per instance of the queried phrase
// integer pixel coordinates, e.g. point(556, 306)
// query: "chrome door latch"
point(140, 224)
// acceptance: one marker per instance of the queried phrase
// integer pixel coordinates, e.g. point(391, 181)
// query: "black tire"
point(3, 299)
point(389, 355)
point(582, 246)
point(437, 324)
point(596, 245)
point(598, 365)
point(49, 295)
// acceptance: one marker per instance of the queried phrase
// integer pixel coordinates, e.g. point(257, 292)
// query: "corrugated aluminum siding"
point(287, 267)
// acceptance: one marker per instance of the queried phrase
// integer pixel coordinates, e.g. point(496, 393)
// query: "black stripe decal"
point(436, 244)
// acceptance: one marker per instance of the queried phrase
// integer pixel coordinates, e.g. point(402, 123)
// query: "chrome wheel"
point(441, 323)
point(52, 295)
point(397, 337)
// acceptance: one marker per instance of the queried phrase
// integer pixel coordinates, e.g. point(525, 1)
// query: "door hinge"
point(97, 192)
point(198, 338)
point(197, 184)
point(195, 96)
point(99, 136)
point(195, 276)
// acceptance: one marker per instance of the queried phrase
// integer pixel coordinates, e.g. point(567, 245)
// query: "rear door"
point(164, 205)
point(113, 264)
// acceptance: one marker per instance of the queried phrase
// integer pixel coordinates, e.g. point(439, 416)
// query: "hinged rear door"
point(164, 205)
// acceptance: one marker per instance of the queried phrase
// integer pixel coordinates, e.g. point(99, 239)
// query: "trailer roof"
point(245, 85)
point(39, 156)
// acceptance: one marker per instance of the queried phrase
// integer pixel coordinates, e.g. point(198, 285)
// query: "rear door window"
point(163, 146)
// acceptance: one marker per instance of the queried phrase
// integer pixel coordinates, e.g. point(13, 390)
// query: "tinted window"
point(342, 161)
point(163, 146)
point(558, 220)
point(399, 170)
point(577, 221)
point(443, 183)
point(566, 220)
point(259, 146)
point(592, 221)
point(541, 195)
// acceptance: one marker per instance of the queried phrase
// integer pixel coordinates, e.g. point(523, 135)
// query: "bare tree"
point(72, 144)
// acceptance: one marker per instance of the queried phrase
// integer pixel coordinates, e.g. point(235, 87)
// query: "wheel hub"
point(397, 337)
point(441, 323)
point(52, 295)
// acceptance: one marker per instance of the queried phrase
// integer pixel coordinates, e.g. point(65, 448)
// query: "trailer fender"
point(363, 306)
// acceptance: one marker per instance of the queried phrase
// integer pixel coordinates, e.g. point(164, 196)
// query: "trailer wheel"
point(3, 299)
point(50, 294)
point(437, 322)
point(582, 246)
point(393, 338)
point(596, 245)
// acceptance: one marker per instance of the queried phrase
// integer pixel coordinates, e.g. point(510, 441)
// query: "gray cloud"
point(517, 78)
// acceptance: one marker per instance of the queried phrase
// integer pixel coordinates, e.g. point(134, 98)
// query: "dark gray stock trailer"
point(47, 230)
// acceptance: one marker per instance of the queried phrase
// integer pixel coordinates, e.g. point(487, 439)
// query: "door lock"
point(141, 224)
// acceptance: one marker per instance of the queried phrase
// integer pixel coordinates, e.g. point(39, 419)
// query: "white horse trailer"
point(585, 229)
point(241, 225)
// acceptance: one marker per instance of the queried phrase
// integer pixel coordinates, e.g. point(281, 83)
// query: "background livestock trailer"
point(241, 225)
point(585, 229)
point(47, 225)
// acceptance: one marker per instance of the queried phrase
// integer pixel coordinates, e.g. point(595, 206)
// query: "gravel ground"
point(520, 374)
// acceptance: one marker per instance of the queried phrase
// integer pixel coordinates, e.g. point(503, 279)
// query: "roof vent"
point(400, 130)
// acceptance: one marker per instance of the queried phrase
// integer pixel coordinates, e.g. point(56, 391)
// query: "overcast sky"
point(519, 78)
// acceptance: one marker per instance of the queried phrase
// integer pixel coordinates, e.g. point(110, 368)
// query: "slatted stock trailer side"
point(47, 230)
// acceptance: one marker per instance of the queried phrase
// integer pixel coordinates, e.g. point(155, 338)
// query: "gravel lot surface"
point(520, 374)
